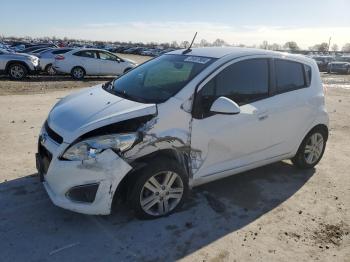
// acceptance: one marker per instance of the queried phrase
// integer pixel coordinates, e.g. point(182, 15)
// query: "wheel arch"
point(121, 193)
point(11, 62)
point(78, 66)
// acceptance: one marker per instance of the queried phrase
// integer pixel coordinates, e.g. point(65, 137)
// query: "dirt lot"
point(273, 213)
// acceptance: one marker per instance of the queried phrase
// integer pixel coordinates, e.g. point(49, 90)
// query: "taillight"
point(59, 57)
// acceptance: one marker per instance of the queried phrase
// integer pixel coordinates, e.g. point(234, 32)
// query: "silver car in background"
point(47, 59)
point(18, 66)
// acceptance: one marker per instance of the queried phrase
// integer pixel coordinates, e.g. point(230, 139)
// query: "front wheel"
point(311, 149)
point(17, 71)
point(159, 190)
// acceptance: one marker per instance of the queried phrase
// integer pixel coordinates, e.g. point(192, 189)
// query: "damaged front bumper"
point(82, 186)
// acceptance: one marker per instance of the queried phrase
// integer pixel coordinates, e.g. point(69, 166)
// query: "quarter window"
point(88, 54)
point(243, 82)
point(289, 76)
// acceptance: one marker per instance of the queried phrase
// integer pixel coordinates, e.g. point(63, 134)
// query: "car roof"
point(218, 52)
point(87, 49)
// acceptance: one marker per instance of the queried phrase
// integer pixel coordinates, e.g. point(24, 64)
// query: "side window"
point(243, 82)
point(289, 76)
point(106, 56)
point(88, 54)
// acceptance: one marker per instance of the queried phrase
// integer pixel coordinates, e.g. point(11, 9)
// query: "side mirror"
point(224, 105)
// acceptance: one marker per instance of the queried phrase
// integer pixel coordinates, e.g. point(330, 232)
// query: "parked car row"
point(331, 64)
point(78, 62)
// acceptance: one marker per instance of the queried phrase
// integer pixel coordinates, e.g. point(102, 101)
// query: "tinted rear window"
point(289, 76)
point(63, 51)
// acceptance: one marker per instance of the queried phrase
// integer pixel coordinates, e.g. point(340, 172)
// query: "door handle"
point(262, 115)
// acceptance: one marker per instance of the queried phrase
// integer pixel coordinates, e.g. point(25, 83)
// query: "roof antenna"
point(189, 48)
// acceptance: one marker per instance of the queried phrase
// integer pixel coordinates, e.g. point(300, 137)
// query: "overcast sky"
point(249, 22)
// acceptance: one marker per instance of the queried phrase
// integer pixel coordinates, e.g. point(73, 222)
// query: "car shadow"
point(33, 229)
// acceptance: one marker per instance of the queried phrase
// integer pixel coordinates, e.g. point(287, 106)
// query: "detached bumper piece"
point(84, 193)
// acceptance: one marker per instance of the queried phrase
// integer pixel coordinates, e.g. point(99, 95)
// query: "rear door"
point(109, 64)
point(89, 60)
point(290, 112)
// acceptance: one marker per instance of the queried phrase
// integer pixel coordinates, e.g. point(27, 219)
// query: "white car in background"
point(82, 62)
point(47, 59)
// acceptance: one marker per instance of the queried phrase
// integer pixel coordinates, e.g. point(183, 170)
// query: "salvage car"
point(81, 62)
point(178, 121)
point(340, 66)
point(47, 59)
point(18, 66)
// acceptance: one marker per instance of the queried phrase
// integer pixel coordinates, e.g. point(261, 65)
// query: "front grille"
point(45, 158)
point(53, 135)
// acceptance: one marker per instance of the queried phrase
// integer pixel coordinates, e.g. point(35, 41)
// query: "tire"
point(159, 201)
point(78, 73)
point(17, 71)
point(50, 70)
point(311, 151)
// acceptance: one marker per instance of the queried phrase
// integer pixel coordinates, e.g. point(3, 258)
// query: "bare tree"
point(274, 47)
point(335, 47)
point(291, 45)
point(264, 45)
point(346, 47)
point(219, 42)
point(184, 44)
point(323, 47)
point(204, 43)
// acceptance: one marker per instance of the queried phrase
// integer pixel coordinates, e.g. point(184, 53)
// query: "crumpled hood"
point(92, 108)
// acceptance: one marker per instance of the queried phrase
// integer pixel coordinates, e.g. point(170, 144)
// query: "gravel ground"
point(273, 213)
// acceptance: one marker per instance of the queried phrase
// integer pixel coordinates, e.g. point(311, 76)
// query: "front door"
point(109, 64)
point(221, 142)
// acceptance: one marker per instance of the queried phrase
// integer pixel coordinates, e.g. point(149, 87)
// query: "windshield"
point(159, 79)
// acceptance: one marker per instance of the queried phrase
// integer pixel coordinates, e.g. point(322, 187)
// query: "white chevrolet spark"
point(180, 120)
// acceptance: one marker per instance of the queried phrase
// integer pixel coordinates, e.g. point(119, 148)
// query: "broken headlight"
point(89, 148)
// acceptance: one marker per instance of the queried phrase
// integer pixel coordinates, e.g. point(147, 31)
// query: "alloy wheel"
point(17, 71)
point(50, 70)
point(78, 73)
point(314, 148)
point(161, 193)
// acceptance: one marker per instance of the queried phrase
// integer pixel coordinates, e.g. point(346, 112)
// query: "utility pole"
point(329, 43)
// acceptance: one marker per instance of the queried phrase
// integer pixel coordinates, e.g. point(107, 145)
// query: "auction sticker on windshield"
point(197, 59)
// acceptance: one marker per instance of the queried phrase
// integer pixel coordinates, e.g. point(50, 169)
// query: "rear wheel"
point(311, 149)
point(78, 73)
point(50, 70)
point(17, 71)
point(159, 190)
